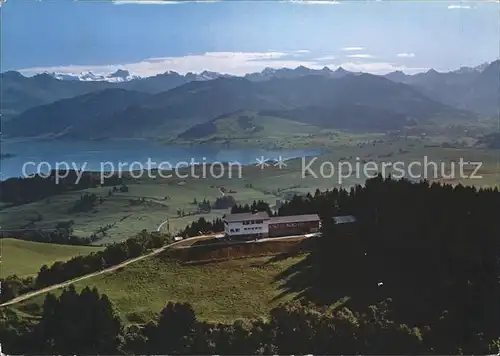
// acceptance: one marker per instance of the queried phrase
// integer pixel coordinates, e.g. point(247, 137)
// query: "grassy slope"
point(224, 291)
point(25, 258)
point(269, 127)
point(266, 130)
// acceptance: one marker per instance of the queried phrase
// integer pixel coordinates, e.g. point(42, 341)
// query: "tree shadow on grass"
point(331, 271)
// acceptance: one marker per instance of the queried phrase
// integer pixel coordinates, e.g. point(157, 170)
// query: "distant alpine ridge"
point(122, 105)
point(122, 75)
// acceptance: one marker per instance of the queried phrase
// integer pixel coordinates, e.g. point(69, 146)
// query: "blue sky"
point(238, 37)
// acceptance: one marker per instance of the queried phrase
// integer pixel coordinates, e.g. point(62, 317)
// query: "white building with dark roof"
point(259, 225)
point(253, 225)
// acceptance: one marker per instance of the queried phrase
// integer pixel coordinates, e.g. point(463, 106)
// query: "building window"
point(236, 230)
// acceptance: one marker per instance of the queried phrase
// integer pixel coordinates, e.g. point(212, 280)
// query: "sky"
point(237, 37)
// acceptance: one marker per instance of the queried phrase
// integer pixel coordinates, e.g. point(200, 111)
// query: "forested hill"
point(377, 101)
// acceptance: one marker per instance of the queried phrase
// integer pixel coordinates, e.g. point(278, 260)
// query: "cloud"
point(379, 67)
point(146, 2)
point(360, 55)
point(325, 58)
point(302, 51)
point(352, 49)
point(235, 63)
point(159, 2)
point(315, 2)
point(451, 7)
point(405, 55)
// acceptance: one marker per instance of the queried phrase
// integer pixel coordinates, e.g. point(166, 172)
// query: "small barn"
point(345, 224)
point(294, 225)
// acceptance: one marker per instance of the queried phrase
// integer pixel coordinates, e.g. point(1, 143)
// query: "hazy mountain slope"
point(363, 89)
point(346, 117)
point(20, 93)
point(119, 113)
point(474, 89)
point(79, 114)
point(246, 124)
point(484, 92)
point(212, 98)
point(300, 71)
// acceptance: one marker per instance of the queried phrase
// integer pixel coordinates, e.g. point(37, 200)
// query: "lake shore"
point(34, 156)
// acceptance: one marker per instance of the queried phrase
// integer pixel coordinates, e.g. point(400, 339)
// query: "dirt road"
point(182, 245)
point(229, 242)
point(107, 270)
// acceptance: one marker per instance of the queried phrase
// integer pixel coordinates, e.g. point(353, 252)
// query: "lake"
point(34, 156)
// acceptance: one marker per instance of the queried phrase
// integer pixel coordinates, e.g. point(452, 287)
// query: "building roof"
point(345, 219)
point(294, 218)
point(260, 215)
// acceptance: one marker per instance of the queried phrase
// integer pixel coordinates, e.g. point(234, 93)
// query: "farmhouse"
point(259, 225)
point(247, 225)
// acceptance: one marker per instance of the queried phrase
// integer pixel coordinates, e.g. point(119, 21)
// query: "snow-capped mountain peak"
point(205, 75)
point(64, 76)
point(89, 76)
point(119, 75)
point(269, 71)
point(482, 67)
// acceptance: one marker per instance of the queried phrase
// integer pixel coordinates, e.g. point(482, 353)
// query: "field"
point(224, 291)
point(25, 258)
point(168, 203)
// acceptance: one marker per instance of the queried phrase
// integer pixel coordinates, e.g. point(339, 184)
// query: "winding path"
point(160, 226)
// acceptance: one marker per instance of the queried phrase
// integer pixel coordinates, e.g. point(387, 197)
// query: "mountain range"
point(171, 103)
point(20, 93)
point(120, 75)
point(476, 89)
